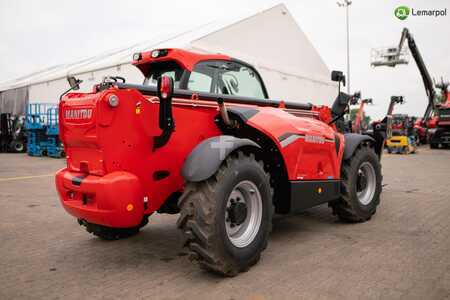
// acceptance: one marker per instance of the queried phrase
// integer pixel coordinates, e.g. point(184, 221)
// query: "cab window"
point(237, 79)
point(201, 78)
point(171, 69)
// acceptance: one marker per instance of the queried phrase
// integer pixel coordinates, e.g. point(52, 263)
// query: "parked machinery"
point(403, 138)
point(387, 121)
point(393, 57)
point(12, 133)
point(440, 122)
point(41, 124)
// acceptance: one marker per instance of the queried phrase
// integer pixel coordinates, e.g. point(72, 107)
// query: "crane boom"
point(426, 77)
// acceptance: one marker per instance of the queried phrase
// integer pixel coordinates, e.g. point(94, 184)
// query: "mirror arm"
point(77, 86)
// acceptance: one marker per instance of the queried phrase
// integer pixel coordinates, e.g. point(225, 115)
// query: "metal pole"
point(347, 3)
point(348, 48)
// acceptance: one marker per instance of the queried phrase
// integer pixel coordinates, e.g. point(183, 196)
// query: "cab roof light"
point(137, 56)
point(159, 53)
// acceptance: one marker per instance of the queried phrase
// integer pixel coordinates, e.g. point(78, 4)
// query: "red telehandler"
point(201, 138)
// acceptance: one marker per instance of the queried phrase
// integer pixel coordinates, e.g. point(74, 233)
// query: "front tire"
point(226, 219)
point(361, 187)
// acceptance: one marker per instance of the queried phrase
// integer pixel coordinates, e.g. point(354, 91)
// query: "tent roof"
point(121, 56)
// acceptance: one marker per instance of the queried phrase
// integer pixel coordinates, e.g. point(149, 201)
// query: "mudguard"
point(206, 157)
point(352, 140)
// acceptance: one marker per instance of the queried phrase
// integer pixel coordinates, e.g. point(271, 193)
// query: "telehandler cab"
point(200, 137)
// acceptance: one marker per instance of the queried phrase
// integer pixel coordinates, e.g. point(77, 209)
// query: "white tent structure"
point(270, 40)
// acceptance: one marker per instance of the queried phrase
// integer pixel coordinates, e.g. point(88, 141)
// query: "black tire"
point(389, 150)
point(349, 208)
point(203, 216)
point(111, 233)
point(434, 146)
point(17, 147)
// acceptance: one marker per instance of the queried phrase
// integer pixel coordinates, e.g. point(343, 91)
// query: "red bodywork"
point(110, 149)
point(360, 119)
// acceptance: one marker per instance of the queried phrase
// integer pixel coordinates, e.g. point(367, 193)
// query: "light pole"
point(346, 4)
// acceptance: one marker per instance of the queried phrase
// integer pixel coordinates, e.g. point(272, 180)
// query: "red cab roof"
point(186, 59)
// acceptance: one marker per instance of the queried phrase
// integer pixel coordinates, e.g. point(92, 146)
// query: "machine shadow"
point(160, 244)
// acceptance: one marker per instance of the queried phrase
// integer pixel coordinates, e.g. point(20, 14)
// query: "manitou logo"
point(314, 139)
point(78, 114)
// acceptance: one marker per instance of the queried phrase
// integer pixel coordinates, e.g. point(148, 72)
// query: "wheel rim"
point(18, 147)
point(243, 214)
point(366, 183)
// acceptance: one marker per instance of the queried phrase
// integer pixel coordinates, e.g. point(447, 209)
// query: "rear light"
point(113, 101)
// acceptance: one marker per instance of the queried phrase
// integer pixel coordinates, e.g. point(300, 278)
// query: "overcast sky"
point(39, 34)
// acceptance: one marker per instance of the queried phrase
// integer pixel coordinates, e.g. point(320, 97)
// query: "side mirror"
point(74, 83)
point(338, 76)
point(397, 99)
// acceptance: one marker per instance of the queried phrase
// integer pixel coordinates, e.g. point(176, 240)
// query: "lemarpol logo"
point(402, 12)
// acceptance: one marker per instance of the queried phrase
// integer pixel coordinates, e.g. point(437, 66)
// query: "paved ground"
point(403, 252)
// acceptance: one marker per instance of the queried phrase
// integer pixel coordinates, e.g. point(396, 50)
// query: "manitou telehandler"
point(200, 137)
point(439, 105)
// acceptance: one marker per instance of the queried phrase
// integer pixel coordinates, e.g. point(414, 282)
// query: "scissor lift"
point(43, 133)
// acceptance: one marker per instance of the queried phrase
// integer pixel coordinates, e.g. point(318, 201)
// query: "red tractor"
point(200, 137)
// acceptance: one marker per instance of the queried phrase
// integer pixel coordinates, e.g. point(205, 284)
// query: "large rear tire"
point(111, 233)
point(226, 219)
point(361, 186)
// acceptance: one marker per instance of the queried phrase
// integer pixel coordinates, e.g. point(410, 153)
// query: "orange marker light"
point(130, 207)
